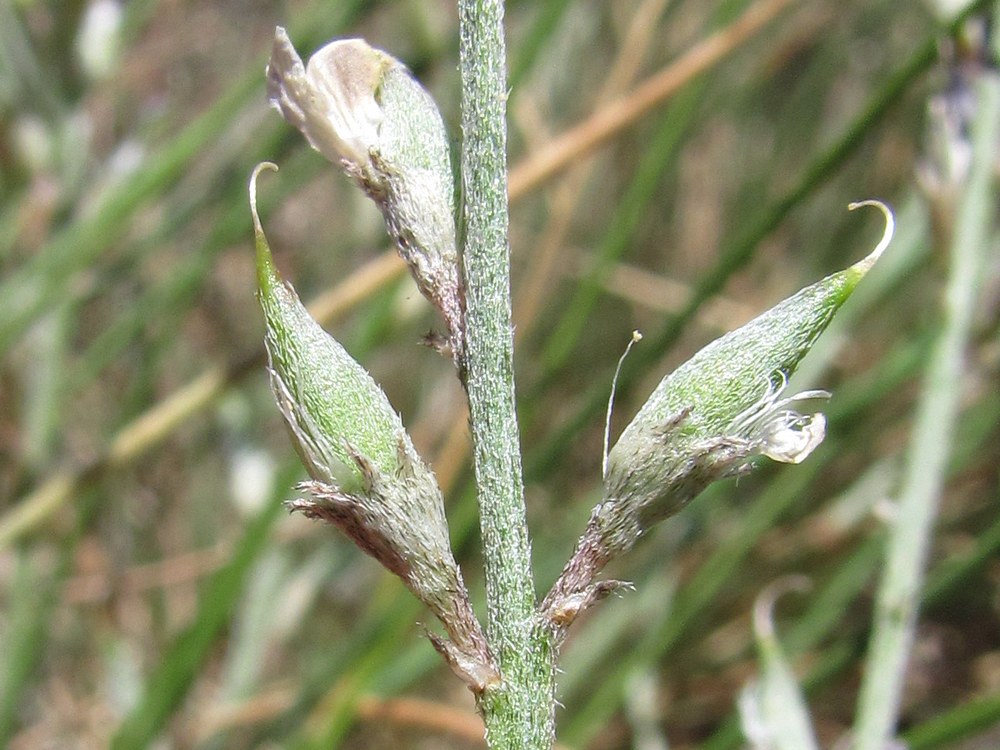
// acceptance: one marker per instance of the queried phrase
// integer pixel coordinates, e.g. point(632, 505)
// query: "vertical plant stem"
point(900, 588)
point(518, 711)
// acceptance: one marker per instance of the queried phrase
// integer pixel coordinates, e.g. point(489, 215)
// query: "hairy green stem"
point(518, 711)
point(900, 589)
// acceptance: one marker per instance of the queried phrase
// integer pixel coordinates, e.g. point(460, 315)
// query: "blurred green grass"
point(164, 596)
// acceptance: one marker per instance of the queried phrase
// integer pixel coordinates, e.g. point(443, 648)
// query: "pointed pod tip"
point(265, 266)
point(253, 192)
point(864, 265)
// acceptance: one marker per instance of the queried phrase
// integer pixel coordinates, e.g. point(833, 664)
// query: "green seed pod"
point(367, 478)
point(333, 408)
point(361, 108)
point(724, 406)
point(705, 421)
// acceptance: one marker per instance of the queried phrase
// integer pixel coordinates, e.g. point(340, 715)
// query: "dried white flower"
point(362, 109)
point(778, 432)
point(332, 100)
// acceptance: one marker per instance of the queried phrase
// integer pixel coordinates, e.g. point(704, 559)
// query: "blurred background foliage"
point(150, 584)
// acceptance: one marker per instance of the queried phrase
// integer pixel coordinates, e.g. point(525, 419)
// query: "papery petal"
point(791, 439)
point(332, 100)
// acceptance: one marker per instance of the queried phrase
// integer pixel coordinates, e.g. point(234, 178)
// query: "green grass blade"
point(923, 480)
point(183, 660)
point(26, 625)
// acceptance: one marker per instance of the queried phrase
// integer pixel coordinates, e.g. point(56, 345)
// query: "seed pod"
point(723, 406)
point(361, 108)
point(707, 420)
point(367, 478)
point(333, 408)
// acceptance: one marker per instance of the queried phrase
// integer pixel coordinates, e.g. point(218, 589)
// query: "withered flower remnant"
point(361, 108)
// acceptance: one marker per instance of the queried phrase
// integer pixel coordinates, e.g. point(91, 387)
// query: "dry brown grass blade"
point(611, 119)
point(151, 427)
point(96, 587)
point(424, 715)
point(536, 281)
